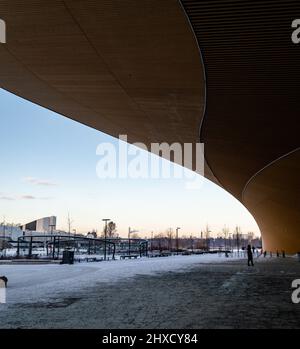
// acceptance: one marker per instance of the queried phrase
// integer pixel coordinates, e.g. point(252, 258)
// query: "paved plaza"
point(224, 294)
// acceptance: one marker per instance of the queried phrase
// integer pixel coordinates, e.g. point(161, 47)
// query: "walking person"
point(250, 256)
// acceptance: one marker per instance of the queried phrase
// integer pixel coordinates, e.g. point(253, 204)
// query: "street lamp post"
point(177, 242)
point(130, 232)
point(4, 229)
point(238, 242)
point(74, 241)
point(4, 237)
point(105, 235)
point(151, 241)
point(52, 241)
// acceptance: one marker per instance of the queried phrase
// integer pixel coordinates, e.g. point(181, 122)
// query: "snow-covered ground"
point(198, 291)
point(37, 283)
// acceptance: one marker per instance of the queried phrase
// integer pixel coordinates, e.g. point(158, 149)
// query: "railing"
point(54, 244)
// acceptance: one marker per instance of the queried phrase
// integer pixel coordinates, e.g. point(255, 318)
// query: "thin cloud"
point(23, 197)
point(38, 181)
point(28, 197)
point(31, 197)
point(4, 197)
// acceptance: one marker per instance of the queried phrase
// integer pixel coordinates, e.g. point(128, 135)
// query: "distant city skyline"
point(48, 167)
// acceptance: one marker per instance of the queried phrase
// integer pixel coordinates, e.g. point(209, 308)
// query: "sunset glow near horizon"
point(48, 167)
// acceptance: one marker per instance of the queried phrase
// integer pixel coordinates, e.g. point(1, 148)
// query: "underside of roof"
point(223, 72)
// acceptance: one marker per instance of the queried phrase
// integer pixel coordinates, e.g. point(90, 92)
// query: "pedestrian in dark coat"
point(250, 256)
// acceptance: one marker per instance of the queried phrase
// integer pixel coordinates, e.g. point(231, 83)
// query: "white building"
point(43, 225)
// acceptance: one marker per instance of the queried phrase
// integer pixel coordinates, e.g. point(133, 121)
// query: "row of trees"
point(110, 231)
point(224, 239)
point(204, 241)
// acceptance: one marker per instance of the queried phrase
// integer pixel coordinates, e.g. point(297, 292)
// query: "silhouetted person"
point(250, 256)
point(277, 253)
point(253, 249)
point(271, 255)
point(283, 254)
point(265, 254)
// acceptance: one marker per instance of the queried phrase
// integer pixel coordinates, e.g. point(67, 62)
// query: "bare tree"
point(238, 237)
point(250, 237)
point(207, 236)
point(112, 230)
point(135, 236)
point(170, 236)
point(225, 232)
point(70, 222)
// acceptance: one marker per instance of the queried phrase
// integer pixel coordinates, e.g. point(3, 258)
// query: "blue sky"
point(48, 167)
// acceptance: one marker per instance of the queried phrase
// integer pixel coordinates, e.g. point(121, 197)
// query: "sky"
point(49, 167)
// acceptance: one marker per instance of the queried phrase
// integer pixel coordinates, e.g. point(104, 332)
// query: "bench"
point(129, 256)
point(165, 254)
point(88, 259)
